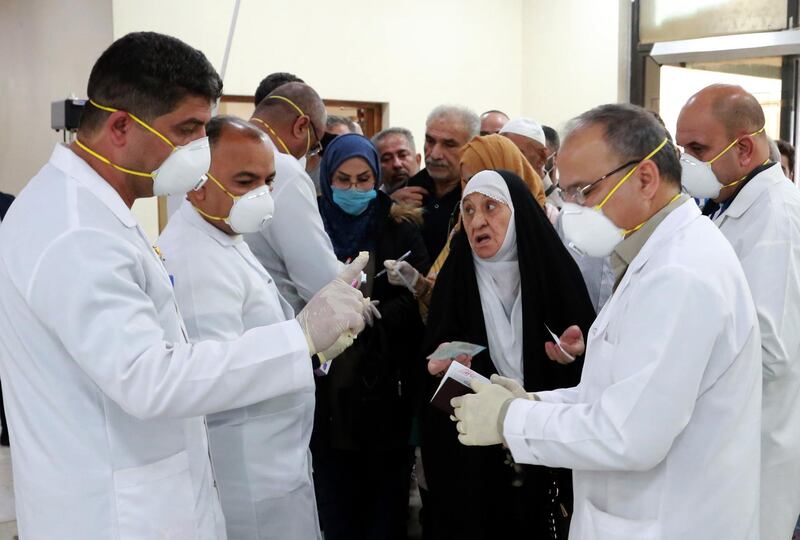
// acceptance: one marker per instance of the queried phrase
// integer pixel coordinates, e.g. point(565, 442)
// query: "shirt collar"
point(629, 248)
point(194, 219)
point(72, 165)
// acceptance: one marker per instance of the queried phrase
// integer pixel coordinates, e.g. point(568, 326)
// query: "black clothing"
point(365, 403)
point(440, 214)
point(475, 493)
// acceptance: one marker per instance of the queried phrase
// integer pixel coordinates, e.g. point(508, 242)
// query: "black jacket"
point(440, 214)
point(5, 204)
point(366, 400)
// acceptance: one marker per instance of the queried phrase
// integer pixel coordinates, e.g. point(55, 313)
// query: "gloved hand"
point(371, 313)
point(401, 274)
point(513, 386)
point(336, 309)
point(343, 342)
point(477, 414)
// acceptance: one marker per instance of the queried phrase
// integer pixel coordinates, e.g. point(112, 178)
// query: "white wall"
point(47, 49)
point(413, 55)
point(575, 57)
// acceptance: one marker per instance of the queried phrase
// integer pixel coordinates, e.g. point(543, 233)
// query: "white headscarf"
point(499, 284)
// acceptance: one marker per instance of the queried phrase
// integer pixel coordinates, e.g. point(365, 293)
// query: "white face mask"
point(250, 212)
point(184, 169)
point(698, 178)
point(589, 231)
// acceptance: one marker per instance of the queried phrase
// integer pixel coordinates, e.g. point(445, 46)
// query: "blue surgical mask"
point(353, 201)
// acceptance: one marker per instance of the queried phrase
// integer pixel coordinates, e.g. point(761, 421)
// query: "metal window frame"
point(783, 43)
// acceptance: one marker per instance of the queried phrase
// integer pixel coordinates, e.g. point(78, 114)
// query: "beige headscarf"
point(493, 152)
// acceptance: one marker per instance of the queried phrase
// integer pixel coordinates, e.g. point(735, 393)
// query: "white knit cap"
point(527, 127)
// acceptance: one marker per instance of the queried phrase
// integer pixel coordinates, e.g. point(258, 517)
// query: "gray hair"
point(335, 120)
point(466, 116)
point(401, 131)
point(774, 151)
point(632, 133)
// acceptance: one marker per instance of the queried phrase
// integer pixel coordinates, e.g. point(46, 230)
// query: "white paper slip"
point(558, 343)
point(456, 382)
point(446, 351)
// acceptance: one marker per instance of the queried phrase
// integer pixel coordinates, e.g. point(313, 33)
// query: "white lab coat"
point(260, 453)
point(104, 395)
point(662, 432)
point(763, 225)
point(295, 249)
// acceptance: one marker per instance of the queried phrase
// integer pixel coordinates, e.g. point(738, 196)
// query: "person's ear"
point(744, 151)
point(299, 127)
point(649, 179)
point(118, 128)
point(198, 195)
point(419, 159)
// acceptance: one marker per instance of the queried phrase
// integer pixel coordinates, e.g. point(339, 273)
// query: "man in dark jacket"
point(447, 129)
point(5, 203)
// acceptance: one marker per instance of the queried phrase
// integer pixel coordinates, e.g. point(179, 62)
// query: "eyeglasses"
point(576, 194)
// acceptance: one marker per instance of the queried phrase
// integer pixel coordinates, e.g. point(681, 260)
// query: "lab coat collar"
point(750, 193)
point(68, 162)
point(191, 215)
point(674, 221)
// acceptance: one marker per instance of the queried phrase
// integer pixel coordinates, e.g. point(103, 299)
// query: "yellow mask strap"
point(630, 173)
point(302, 115)
point(137, 120)
point(743, 178)
point(231, 195)
point(736, 140)
point(626, 232)
point(290, 102)
point(272, 131)
point(108, 162)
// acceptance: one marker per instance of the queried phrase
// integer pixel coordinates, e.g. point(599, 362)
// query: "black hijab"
point(502, 501)
point(553, 293)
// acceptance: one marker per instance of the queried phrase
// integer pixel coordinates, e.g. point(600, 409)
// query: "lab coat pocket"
point(156, 500)
point(604, 526)
point(275, 450)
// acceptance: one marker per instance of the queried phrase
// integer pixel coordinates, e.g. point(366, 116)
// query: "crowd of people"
point(262, 372)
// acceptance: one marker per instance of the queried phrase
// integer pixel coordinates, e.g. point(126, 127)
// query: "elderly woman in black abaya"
point(508, 275)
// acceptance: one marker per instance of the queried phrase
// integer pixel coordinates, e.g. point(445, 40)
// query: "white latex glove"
point(513, 386)
point(477, 414)
point(371, 313)
point(335, 310)
point(343, 342)
point(401, 274)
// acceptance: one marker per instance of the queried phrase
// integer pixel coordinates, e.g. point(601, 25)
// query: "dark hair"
point(552, 138)
point(148, 74)
point(219, 124)
point(786, 149)
point(632, 132)
point(273, 81)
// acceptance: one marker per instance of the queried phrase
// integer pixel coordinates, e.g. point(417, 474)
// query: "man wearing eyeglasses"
point(294, 247)
point(663, 432)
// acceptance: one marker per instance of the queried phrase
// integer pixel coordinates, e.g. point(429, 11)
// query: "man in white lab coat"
point(662, 433)
point(260, 453)
point(105, 396)
point(758, 209)
point(294, 249)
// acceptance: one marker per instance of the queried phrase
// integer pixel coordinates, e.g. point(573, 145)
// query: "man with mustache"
point(447, 129)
